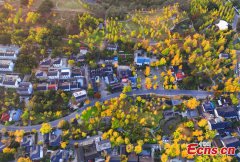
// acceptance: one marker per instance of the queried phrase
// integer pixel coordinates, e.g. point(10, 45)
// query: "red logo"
point(194, 149)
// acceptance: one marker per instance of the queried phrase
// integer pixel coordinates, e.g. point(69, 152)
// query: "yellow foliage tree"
point(138, 149)
point(46, 128)
point(162, 61)
point(8, 150)
point(192, 103)
point(202, 123)
point(23, 159)
point(147, 70)
point(32, 17)
point(63, 145)
point(164, 158)
point(232, 85)
point(18, 134)
point(148, 83)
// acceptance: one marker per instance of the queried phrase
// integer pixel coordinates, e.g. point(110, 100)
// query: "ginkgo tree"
point(192, 103)
point(45, 128)
point(132, 120)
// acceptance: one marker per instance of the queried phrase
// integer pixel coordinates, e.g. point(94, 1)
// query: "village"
point(107, 99)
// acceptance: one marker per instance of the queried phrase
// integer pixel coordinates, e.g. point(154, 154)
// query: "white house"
point(80, 95)
point(45, 64)
point(53, 75)
point(6, 66)
point(11, 81)
point(65, 73)
point(9, 52)
point(83, 50)
point(103, 145)
point(57, 63)
point(112, 47)
point(25, 88)
point(41, 74)
point(224, 56)
point(65, 86)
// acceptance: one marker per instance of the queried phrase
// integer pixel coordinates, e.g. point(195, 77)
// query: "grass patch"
point(90, 112)
point(170, 125)
point(71, 4)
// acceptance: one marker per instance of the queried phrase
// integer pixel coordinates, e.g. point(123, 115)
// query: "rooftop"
point(227, 112)
point(143, 60)
point(79, 93)
point(11, 79)
point(42, 87)
point(58, 155)
point(9, 49)
point(36, 153)
point(5, 117)
point(45, 62)
point(208, 107)
point(53, 73)
point(5, 63)
point(219, 125)
point(57, 61)
point(231, 142)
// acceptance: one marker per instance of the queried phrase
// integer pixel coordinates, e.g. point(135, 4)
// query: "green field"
point(70, 5)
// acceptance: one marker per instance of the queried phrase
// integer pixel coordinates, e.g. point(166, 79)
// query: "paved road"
point(199, 94)
point(235, 21)
point(238, 63)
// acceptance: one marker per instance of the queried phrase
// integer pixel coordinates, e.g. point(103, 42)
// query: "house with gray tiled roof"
point(65, 73)
point(112, 47)
point(53, 75)
point(41, 74)
point(60, 156)
point(55, 138)
point(45, 64)
point(87, 152)
point(9, 52)
point(64, 86)
point(230, 142)
point(42, 87)
point(27, 140)
point(6, 66)
point(227, 112)
point(25, 89)
point(11, 81)
point(57, 63)
point(36, 152)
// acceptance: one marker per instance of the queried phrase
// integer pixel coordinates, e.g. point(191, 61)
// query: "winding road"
point(199, 94)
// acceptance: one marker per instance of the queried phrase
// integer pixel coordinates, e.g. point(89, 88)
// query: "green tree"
point(25, 63)
point(90, 92)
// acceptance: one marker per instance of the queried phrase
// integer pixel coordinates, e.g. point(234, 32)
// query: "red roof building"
point(5, 117)
point(52, 87)
point(180, 76)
